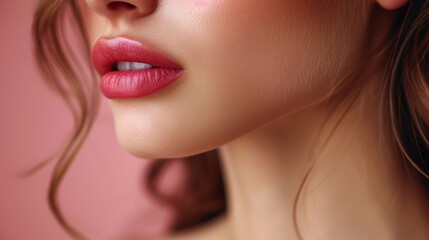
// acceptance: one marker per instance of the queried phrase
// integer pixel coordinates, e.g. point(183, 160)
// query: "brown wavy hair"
point(58, 30)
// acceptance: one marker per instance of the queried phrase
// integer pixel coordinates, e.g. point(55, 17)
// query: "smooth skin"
point(257, 77)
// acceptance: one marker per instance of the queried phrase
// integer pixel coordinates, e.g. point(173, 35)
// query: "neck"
point(318, 175)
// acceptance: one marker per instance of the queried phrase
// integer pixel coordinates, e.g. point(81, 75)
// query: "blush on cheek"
point(198, 4)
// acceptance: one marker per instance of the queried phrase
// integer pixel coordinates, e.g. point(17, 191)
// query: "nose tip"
point(113, 9)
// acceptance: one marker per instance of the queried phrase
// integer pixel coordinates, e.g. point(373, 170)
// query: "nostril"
point(117, 5)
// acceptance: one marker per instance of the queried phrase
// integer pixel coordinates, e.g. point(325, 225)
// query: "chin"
point(148, 150)
point(157, 145)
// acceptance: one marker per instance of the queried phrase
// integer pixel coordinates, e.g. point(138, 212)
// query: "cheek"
point(275, 54)
point(198, 4)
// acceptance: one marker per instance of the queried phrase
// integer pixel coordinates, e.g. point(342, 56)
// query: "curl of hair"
point(64, 73)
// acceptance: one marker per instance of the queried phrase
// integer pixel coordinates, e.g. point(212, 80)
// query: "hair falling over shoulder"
point(58, 30)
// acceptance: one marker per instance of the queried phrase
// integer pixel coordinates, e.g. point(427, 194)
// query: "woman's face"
point(246, 63)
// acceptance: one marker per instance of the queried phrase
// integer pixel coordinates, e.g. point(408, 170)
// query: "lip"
point(135, 83)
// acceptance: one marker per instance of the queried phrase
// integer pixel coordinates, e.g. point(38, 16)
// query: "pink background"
point(102, 195)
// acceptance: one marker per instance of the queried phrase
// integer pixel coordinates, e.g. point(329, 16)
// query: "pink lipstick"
point(129, 69)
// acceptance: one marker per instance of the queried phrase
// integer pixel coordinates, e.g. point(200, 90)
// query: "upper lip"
point(107, 52)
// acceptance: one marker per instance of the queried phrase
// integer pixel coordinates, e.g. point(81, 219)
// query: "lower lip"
point(135, 84)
